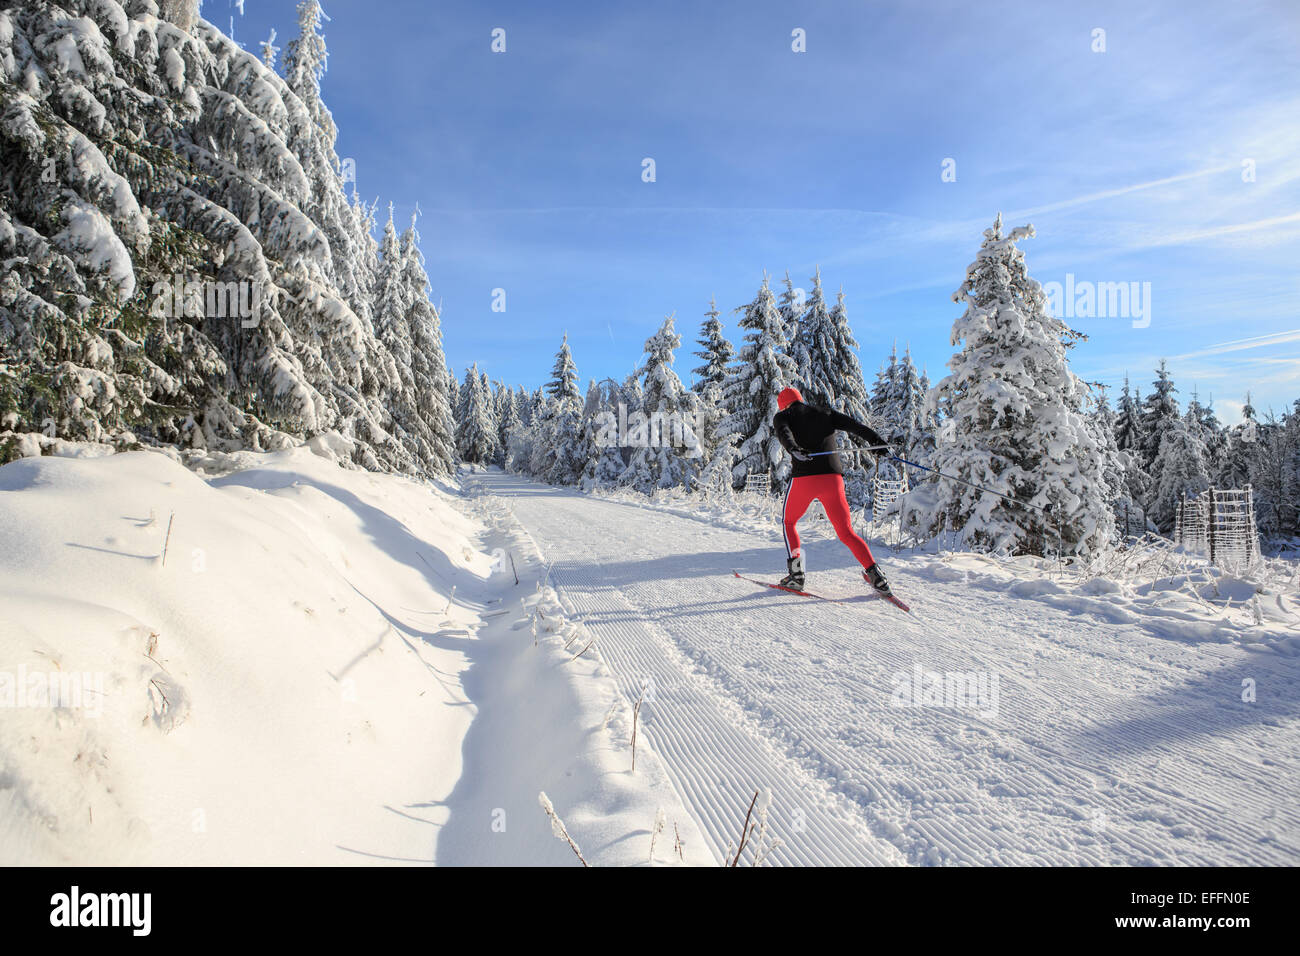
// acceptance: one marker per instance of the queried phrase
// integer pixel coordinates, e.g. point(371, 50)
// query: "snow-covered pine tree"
point(1179, 467)
point(507, 417)
point(605, 461)
point(1013, 418)
point(563, 386)
point(541, 444)
point(827, 366)
point(557, 454)
point(521, 440)
point(883, 400)
point(245, 196)
point(85, 86)
point(716, 351)
point(710, 382)
point(792, 313)
point(1241, 445)
point(666, 450)
point(1101, 419)
point(915, 420)
point(476, 436)
point(393, 305)
point(270, 52)
point(1128, 424)
point(305, 62)
point(763, 367)
point(830, 373)
point(1205, 425)
point(453, 395)
point(1275, 474)
point(428, 363)
point(1158, 413)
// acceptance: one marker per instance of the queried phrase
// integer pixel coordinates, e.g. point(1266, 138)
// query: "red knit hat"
point(788, 397)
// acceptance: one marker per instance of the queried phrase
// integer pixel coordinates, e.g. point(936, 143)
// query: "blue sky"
point(526, 166)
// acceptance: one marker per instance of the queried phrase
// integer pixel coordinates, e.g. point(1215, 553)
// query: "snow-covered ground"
point(1149, 716)
point(297, 681)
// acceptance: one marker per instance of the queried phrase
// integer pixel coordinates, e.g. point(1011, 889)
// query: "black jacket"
point(807, 428)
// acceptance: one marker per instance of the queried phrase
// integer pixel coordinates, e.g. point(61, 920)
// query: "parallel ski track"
point(756, 689)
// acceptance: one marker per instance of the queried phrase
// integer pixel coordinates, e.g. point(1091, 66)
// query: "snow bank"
point(290, 662)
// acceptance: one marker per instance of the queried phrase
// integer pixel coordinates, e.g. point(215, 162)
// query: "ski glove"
point(798, 455)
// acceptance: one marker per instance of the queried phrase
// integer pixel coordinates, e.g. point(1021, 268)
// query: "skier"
point(803, 430)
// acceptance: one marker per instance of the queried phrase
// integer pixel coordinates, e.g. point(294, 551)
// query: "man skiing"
point(804, 431)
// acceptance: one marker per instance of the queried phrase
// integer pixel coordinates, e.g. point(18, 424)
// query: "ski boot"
point(876, 579)
point(795, 578)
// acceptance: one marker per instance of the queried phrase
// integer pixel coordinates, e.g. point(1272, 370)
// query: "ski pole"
point(847, 450)
point(1047, 510)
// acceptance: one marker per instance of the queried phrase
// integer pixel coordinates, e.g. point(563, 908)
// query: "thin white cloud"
point(1238, 345)
point(1121, 191)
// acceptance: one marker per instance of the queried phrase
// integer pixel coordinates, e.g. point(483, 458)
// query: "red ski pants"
point(829, 490)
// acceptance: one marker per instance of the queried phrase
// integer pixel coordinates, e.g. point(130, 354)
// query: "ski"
point(779, 587)
point(897, 603)
point(821, 597)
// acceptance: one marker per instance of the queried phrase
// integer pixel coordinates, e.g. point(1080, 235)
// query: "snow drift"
point(289, 662)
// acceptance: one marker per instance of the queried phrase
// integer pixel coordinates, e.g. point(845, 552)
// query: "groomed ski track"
point(1109, 746)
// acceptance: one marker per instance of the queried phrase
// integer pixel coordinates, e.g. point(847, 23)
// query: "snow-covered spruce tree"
point(490, 404)
point(1101, 419)
point(1205, 425)
point(709, 385)
point(1275, 475)
point(883, 400)
point(1241, 445)
point(902, 413)
point(1135, 494)
point(428, 363)
point(792, 312)
point(830, 375)
point(666, 450)
point(1013, 418)
point(914, 414)
point(270, 52)
point(1128, 421)
point(716, 351)
point(541, 451)
point(392, 305)
point(763, 367)
point(563, 385)
point(453, 395)
point(1179, 467)
point(476, 433)
point(605, 462)
point(137, 149)
point(1159, 411)
point(521, 439)
point(507, 418)
point(557, 453)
